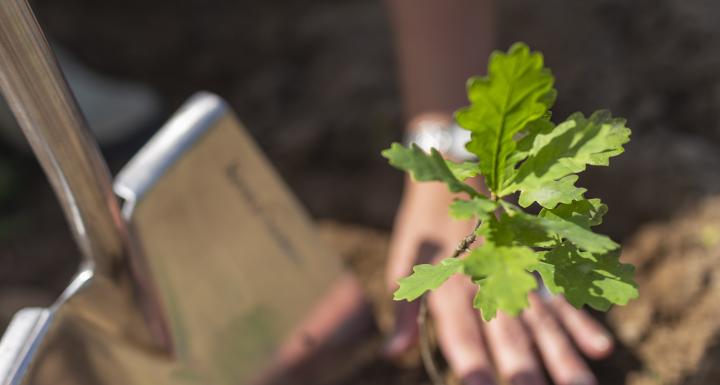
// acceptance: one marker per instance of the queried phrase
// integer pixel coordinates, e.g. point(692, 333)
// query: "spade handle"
point(45, 109)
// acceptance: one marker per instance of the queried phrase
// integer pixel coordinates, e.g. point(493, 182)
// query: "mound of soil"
point(673, 327)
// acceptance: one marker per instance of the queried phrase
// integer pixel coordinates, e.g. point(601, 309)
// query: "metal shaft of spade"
point(39, 97)
point(44, 107)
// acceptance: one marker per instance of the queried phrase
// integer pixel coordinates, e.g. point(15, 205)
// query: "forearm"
point(439, 44)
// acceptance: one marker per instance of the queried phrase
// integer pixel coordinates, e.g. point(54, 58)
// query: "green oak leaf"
point(585, 213)
point(556, 226)
point(426, 277)
point(520, 150)
point(502, 276)
point(581, 237)
point(553, 192)
point(517, 90)
point(516, 230)
point(425, 167)
point(464, 170)
point(478, 207)
point(598, 280)
point(526, 140)
point(567, 149)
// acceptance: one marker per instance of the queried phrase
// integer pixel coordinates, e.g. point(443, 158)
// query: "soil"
point(315, 83)
point(673, 327)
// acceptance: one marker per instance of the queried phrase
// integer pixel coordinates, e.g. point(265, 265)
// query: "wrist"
point(417, 122)
point(438, 131)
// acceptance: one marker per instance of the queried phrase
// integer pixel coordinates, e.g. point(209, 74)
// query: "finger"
point(590, 336)
point(459, 332)
point(419, 218)
point(405, 331)
point(511, 348)
point(402, 255)
point(340, 318)
point(562, 361)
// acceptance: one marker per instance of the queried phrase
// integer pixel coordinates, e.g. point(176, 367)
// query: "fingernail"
point(527, 379)
point(478, 377)
point(389, 347)
point(395, 346)
point(584, 379)
point(602, 342)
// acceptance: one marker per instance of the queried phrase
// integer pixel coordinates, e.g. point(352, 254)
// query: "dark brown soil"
point(674, 327)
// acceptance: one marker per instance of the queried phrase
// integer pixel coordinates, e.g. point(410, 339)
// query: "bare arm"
point(439, 44)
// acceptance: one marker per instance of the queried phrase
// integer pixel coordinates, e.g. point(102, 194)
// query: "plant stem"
point(426, 352)
point(465, 243)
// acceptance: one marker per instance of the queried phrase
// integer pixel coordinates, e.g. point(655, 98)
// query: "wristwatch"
point(448, 139)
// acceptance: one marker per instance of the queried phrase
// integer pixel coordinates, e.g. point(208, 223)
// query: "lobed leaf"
point(526, 140)
point(502, 276)
point(478, 207)
point(583, 238)
point(563, 151)
point(553, 192)
point(464, 170)
point(598, 280)
point(534, 231)
point(426, 277)
point(517, 91)
point(425, 167)
point(516, 230)
point(585, 213)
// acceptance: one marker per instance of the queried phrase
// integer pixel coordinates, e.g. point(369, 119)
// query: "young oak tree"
point(520, 150)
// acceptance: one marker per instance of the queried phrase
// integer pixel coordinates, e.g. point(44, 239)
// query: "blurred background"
point(315, 84)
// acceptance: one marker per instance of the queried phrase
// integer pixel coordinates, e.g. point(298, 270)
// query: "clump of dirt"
point(363, 250)
point(673, 327)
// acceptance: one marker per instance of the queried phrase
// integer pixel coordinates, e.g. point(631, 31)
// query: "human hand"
point(423, 233)
point(320, 348)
